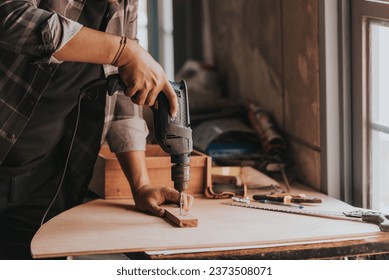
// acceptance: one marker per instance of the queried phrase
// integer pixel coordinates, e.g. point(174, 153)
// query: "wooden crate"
point(109, 181)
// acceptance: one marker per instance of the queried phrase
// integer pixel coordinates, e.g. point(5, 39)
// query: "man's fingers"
point(171, 95)
point(140, 97)
point(156, 210)
point(131, 92)
point(151, 97)
point(188, 202)
point(149, 199)
point(171, 195)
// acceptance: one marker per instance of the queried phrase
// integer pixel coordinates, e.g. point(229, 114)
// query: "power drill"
point(174, 135)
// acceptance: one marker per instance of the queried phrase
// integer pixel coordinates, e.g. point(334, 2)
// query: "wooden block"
point(109, 181)
point(184, 220)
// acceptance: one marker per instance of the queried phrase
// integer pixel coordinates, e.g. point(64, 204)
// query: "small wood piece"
point(184, 220)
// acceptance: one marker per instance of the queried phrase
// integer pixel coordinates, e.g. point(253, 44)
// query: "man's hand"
point(148, 198)
point(144, 77)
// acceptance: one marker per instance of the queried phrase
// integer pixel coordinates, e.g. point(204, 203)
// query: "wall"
point(268, 51)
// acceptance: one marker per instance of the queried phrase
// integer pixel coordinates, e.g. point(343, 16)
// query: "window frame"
point(362, 11)
point(335, 103)
point(160, 34)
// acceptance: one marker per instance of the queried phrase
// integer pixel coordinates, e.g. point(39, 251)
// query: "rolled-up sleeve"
point(28, 30)
point(127, 130)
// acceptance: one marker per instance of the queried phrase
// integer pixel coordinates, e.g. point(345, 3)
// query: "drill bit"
point(181, 202)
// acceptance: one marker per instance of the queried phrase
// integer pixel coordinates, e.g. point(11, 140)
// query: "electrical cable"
point(83, 92)
point(81, 95)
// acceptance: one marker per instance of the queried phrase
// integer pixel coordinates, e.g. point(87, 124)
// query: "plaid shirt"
point(30, 32)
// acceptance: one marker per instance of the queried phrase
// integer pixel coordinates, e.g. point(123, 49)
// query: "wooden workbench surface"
point(112, 226)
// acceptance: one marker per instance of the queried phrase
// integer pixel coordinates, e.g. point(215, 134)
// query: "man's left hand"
point(149, 198)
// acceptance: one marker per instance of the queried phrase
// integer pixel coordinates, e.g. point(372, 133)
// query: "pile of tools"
point(260, 171)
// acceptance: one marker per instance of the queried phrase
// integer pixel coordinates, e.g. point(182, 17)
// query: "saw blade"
point(350, 216)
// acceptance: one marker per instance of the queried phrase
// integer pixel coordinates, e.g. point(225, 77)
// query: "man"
point(49, 135)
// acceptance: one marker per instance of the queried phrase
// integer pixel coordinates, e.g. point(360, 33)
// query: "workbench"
point(105, 226)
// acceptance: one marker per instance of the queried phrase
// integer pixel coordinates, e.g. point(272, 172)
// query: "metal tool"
point(359, 215)
point(241, 199)
point(174, 135)
point(273, 143)
point(271, 139)
point(281, 203)
point(287, 198)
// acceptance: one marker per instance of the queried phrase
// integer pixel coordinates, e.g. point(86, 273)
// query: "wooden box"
point(109, 181)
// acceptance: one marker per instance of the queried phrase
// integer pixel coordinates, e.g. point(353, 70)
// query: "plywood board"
point(113, 226)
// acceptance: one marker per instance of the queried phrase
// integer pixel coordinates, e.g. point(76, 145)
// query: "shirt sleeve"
point(28, 30)
point(126, 128)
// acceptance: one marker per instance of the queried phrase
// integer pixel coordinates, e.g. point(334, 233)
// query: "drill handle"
point(114, 84)
point(174, 135)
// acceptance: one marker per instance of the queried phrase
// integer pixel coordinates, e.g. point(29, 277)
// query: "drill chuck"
point(180, 176)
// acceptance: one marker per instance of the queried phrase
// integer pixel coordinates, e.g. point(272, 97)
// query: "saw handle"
point(377, 218)
point(286, 198)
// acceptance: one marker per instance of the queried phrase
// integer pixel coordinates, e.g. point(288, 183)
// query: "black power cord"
point(88, 90)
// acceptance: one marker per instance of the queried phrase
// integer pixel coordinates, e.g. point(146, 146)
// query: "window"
point(143, 24)
point(370, 92)
point(378, 94)
point(155, 32)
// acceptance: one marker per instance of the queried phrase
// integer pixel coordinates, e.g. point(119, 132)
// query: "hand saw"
point(287, 197)
point(363, 215)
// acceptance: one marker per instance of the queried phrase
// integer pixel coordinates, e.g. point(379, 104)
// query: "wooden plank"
point(183, 220)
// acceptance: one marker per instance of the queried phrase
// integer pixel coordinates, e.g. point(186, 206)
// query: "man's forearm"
point(142, 75)
point(134, 167)
point(90, 46)
point(148, 197)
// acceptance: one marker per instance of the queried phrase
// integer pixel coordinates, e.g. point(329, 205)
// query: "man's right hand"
point(144, 77)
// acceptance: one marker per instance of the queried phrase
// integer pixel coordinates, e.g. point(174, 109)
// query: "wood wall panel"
point(247, 49)
point(301, 68)
point(268, 51)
